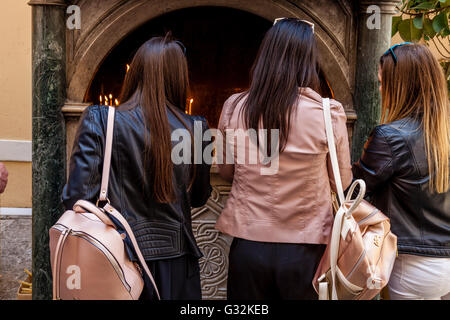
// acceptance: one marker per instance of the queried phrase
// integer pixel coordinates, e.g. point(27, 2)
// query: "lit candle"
point(190, 106)
point(117, 102)
point(128, 67)
point(101, 99)
point(106, 101)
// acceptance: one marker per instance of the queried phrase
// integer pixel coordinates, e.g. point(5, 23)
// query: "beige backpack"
point(88, 256)
point(360, 256)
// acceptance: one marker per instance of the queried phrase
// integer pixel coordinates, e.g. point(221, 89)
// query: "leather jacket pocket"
point(157, 239)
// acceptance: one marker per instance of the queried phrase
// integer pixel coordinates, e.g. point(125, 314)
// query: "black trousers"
point(176, 279)
point(272, 271)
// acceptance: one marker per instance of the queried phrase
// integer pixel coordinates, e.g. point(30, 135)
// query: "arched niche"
point(106, 23)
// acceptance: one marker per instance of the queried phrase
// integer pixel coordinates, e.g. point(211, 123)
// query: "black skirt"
point(272, 271)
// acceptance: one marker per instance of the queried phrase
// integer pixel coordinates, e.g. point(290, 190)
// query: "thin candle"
point(190, 106)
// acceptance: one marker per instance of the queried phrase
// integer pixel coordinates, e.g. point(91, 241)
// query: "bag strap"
point(337, 225)
point(339, 219)
point(332, 150)
point(116, 214)
point(104, 196)
point(107, 157)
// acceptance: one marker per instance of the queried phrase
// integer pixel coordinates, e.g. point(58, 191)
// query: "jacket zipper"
point(102, 248)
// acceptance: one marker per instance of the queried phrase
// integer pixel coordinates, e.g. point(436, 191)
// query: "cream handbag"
point(360, 256)
point(88, 256)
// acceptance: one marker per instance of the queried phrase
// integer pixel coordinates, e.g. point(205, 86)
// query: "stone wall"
point(15, 253)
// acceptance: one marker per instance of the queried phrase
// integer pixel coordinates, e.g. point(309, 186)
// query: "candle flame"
point(117, 102)
point(128, 67)
point(190, 106)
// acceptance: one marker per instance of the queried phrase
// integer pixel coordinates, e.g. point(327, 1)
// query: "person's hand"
point(3, 177)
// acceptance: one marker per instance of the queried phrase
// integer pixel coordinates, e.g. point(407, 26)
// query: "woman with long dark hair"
point(405, 165)
point(280, 211)
point(154, 194)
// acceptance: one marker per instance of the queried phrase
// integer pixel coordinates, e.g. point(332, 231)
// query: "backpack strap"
point(104, 196)
point(337, 225)
point(332, 150)
point(107, 156)
point(343, 210)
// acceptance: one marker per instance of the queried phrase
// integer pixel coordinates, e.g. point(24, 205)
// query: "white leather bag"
point(88, 256)
point(360, 256)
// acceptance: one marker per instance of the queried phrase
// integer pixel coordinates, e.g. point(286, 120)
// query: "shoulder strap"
point(332, 149)
point(107, 156)
point(104, 196)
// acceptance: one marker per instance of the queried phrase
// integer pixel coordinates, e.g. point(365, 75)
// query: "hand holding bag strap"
point(104, 194)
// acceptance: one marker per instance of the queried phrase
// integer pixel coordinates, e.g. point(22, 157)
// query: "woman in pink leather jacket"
point(280, 210)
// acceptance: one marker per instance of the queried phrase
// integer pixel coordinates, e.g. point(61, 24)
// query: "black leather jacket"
point(395, 168)
point(163, 231)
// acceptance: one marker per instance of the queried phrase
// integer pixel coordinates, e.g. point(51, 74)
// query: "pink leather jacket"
point(294, 205)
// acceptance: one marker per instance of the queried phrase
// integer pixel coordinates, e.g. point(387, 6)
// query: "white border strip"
point(15, 150)
point(25, 212)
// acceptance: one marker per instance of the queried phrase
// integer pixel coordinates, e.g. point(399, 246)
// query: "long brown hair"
point(287, 60)
point(158, 81)
point(415, 87)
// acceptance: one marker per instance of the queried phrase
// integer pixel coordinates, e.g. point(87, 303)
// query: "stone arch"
point(103, 28)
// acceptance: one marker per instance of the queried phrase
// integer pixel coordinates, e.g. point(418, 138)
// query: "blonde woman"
point(405, 164)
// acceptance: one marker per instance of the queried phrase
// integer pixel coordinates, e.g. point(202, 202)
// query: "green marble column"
point(372, 43)
point(49, 89)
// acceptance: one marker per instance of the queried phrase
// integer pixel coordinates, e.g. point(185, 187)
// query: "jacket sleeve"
point(201, 187)
point(226, 170)
point(376, 164)
point(342, 148)
point(86, 161)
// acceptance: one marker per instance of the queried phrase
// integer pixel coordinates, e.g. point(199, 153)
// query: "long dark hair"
point(287, 60)
point(158, 81)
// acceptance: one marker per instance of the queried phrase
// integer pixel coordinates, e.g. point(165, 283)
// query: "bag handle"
point(82, 206)
point(104, 196)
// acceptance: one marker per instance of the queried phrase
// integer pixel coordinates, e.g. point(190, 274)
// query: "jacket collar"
point(311, 94)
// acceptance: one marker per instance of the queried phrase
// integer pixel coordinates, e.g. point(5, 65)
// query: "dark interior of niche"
point(221, 43)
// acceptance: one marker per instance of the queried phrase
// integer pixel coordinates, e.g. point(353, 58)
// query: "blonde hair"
point(415, 86)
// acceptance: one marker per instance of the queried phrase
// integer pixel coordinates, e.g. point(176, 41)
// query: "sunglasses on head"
point(181, 45)
point(391, 50)
point(307, 22)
